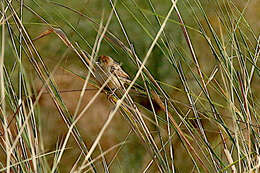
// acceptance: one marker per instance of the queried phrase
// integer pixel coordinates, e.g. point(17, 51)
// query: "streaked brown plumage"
point(105, 67)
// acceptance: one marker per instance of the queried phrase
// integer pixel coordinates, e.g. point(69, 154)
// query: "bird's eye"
point(100, 60)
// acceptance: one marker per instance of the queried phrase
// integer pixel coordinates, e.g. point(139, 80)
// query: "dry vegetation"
point(196, 60)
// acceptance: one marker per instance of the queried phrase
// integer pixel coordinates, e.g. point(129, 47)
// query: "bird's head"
point(105, 61)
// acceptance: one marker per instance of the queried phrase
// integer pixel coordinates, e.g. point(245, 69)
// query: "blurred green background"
point(140, 23)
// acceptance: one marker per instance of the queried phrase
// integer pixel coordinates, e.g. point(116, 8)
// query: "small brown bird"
point(106, 67)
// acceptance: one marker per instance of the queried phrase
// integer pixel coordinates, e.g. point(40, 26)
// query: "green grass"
point(196, 60)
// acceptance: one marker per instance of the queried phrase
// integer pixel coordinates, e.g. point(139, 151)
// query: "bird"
point(106, 67)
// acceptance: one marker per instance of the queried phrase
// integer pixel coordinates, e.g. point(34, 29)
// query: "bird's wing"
point(120, 73)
